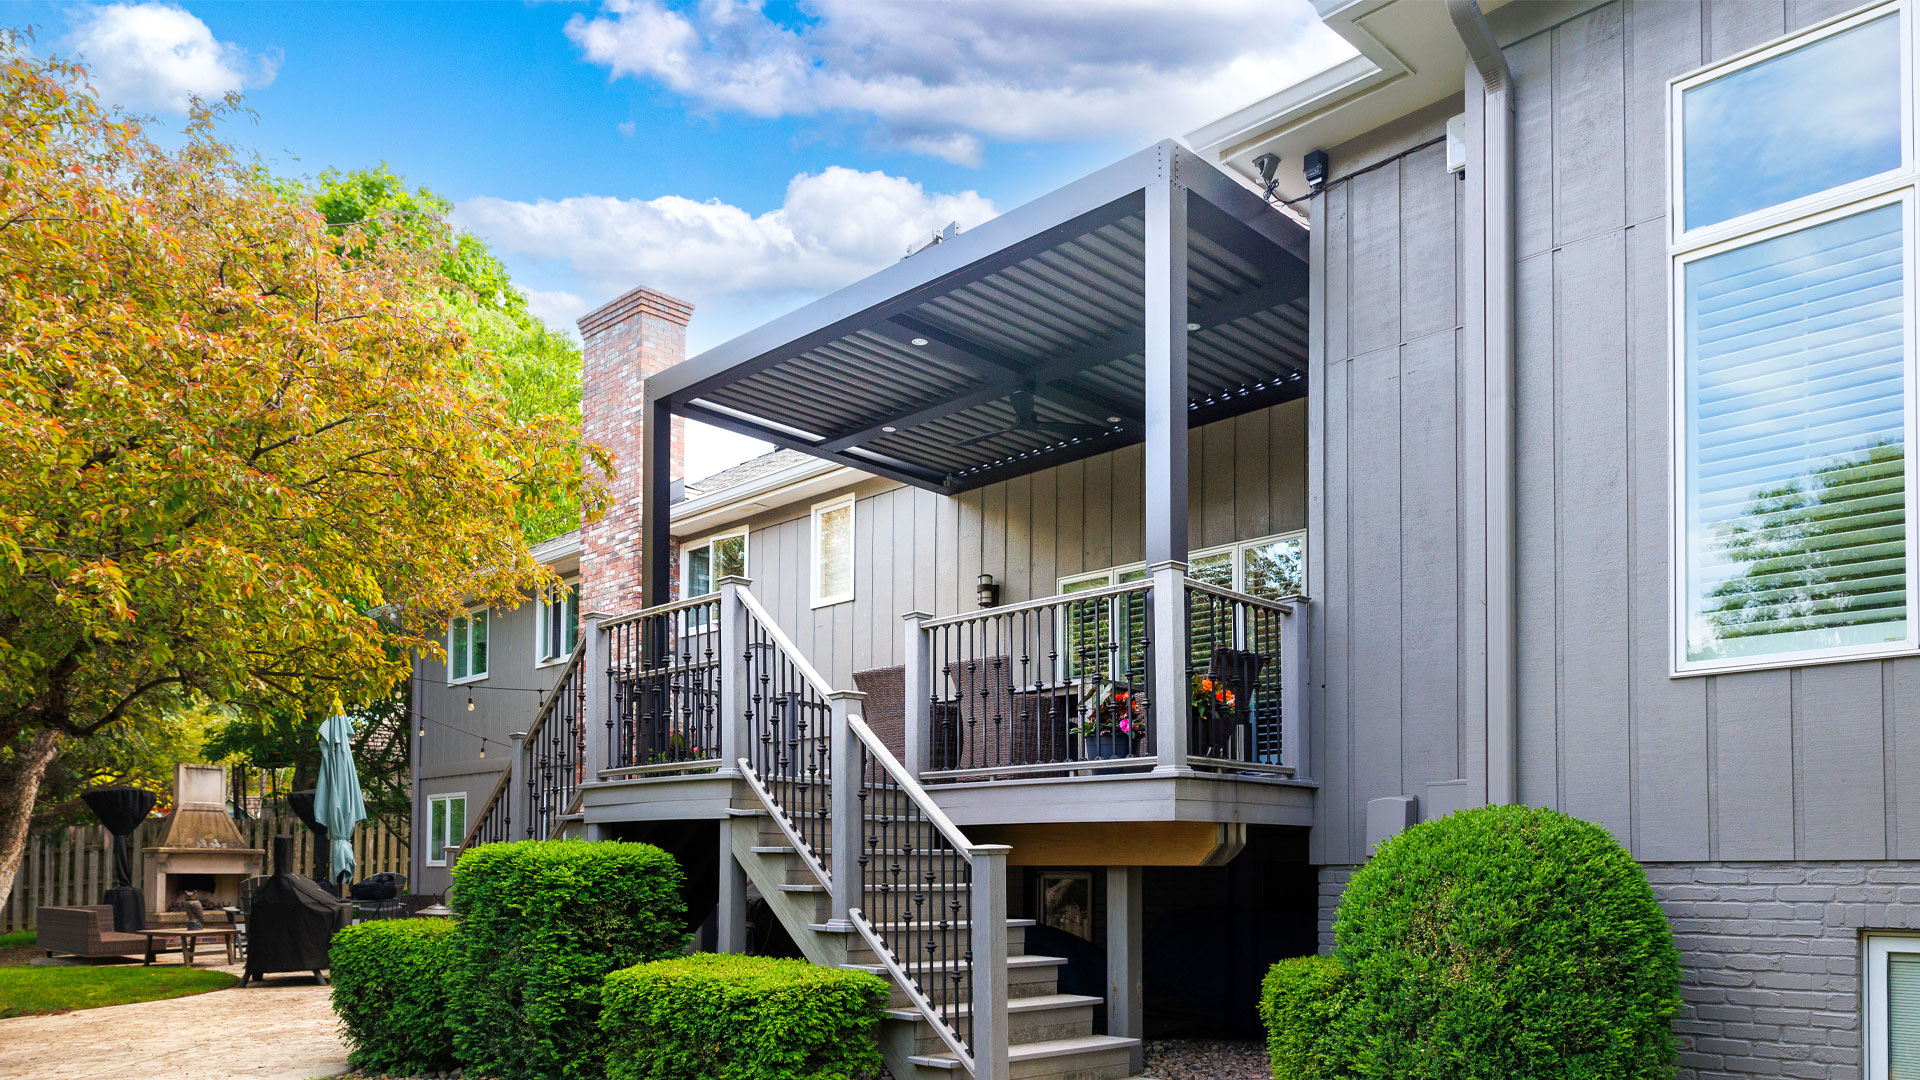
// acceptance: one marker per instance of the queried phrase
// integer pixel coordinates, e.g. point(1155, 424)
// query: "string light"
point(469, 702)
point(483, 748)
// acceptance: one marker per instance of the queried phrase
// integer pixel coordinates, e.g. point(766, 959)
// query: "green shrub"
point(719, 1017)
point(390, 990)
point(1500, 942)
point(542, 922)
point(1300, 1000)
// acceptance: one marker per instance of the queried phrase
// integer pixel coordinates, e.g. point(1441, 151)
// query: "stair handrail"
point(545, 710)
point(763, 786)
point(784, 643)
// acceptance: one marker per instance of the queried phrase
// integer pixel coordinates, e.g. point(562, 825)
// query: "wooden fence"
point(74, 866)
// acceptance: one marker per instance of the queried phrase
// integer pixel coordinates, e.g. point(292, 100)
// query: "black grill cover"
point(121, 810)
point(129, 908)
point(292, 920)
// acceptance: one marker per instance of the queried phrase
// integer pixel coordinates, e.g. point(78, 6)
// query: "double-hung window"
point(1793, 395)
point(833, 552)
point(467, 646)
point(446, 824)
point(706, 561)
point(559, 622)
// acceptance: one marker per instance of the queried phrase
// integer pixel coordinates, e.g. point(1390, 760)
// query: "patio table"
point(187, 940)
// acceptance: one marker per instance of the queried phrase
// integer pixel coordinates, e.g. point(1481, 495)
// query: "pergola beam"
point(879, 465)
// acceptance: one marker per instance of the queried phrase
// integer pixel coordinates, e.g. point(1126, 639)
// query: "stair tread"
point(1011, 923)
point(1034, 1051)
point(1037, 1003)
point(1022, 960)
point(802, 888)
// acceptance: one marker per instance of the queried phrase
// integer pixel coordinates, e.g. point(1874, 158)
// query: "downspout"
point(1492, 280)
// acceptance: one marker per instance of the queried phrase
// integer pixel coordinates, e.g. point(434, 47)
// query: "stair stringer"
point(897, 1038)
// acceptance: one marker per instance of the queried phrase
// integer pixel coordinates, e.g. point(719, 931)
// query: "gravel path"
point(1207, 1059)
point(280, 1029)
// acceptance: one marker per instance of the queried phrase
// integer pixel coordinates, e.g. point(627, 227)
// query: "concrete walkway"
point(283, 1029)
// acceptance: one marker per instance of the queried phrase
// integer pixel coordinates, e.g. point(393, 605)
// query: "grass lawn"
point(16, 948)
point(26, 991)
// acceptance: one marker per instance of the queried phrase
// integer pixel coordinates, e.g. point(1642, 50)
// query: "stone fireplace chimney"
point(624, 341)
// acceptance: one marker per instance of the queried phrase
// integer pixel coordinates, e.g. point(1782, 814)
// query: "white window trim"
point(1111, 575)
point(707, 541)
point(434, 802)
point(540, 643)
point(1809, 211)
point(813, 549)
point(481, 676)
point(1874, 993)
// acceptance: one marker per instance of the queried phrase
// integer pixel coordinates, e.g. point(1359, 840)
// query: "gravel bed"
point(1207, 1059)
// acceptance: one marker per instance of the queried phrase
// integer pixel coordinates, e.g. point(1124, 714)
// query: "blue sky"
point(747, 157)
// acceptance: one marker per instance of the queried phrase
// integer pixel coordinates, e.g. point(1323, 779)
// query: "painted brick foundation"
point(637, 335)
point(1770, 959)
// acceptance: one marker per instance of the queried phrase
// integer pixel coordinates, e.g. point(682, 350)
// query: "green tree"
point(537, 368)
point(244, 457)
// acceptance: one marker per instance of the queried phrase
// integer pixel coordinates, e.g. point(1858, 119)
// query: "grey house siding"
point(448, 759)
point(917, 550)
point(1791, 764)
point(1398, 651)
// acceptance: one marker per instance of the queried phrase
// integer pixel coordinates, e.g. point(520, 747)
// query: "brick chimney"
point(625, 341)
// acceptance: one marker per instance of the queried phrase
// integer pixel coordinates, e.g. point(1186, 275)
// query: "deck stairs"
point(1050, 1034)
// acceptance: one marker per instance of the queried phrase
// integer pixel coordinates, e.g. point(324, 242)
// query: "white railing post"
point(844, 773)
point(1168, 693)
point(1295, 680)
point(917, 694)
point(594, 706)
point(519, 769)
point(733, 674)
point(989, 911)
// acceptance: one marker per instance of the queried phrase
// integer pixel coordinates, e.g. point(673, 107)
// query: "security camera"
point(1268, 164)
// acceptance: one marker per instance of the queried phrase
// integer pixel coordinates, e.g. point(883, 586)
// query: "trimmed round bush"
point(718, 1017)
point(1300, 1000)
point(542, 923)
point(390, 992)
point(1501, 942)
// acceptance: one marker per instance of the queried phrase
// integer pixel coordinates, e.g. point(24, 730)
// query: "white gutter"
point(1490, 332)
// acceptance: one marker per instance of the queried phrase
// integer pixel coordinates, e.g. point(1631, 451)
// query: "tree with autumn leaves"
point(245, 457)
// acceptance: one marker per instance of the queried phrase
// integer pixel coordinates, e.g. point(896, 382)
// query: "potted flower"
point(1211, 702)
point(1113, 718)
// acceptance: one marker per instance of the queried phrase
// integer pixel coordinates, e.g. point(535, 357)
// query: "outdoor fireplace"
point(198, 850)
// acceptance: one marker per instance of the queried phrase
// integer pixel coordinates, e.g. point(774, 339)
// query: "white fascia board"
point(800, 484)
point(561, 554)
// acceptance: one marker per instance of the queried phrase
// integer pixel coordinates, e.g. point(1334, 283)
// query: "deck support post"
point(596, 711)
point(1295, 678)
point(730, 917)
point(733, 673)
point(656, 500)
point(1165, 520)
point(842, 864)
point(916, 694)
point(1126, 1003)
point(1167, 667)
point(989, 910)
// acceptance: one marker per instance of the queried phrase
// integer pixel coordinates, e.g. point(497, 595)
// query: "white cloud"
point(938, 78)
point(557, 308)
point(833, 227)
point(160, 56)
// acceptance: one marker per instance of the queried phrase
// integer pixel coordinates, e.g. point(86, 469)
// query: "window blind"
point(1903, 1016)
point(1795, 452)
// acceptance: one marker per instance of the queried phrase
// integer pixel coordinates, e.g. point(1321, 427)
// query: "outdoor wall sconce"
point(987, 592)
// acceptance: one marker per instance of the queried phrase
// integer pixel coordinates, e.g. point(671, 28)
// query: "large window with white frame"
point(467, 646)
point(1793, 361)
point(1893, 1006)
point(832, 547)
point(559, 627)
point(446, 824)
point(706, 561)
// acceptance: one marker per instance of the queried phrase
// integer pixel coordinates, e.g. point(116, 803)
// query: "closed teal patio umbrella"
point(336, 801)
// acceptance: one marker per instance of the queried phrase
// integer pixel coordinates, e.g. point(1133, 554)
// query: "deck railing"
point(1038, 686)
point(1071, 684)
point(555, 751)
point(787, 715)
point(663, 686)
